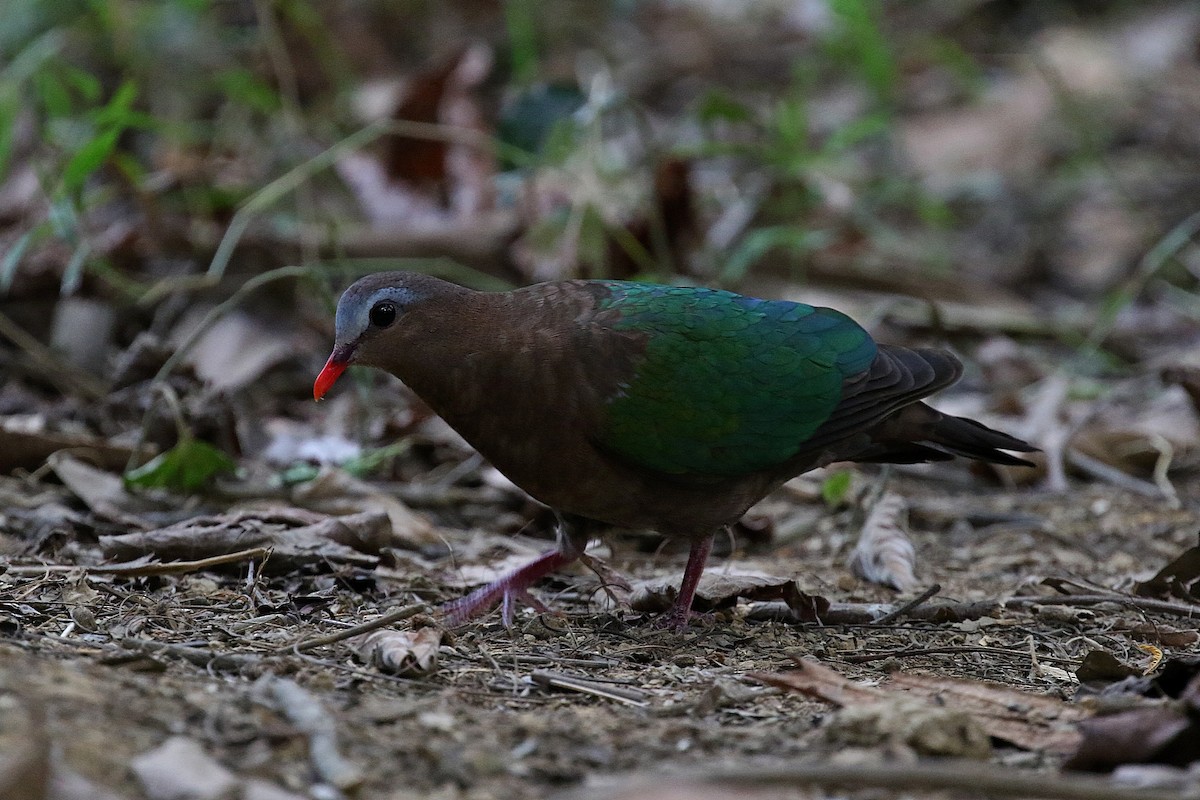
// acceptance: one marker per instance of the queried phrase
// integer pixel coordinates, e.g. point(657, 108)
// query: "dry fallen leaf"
point(102, 492)
point(884, 553)
point(409, 653)
point(26, 444)
point(296, 537)
point(1027, 720)
point(334, 491)
point(1167, 733)
point(1180, 578)
point(236, 350)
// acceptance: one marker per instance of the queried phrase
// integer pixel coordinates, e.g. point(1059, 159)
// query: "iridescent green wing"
point(726, 384)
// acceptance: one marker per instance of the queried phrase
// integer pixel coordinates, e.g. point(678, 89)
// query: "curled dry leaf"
point(884, 553)
point(236, 350)
point(102, 492)
point(1180, 578)
point(409, 653)
point(1101, 666)
point(1152, 429)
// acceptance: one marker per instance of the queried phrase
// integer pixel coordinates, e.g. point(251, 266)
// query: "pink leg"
point(506, 591)
point(512, 588)
point(677, 618)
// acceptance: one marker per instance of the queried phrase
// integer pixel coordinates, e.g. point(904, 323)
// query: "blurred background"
point(1019, 179)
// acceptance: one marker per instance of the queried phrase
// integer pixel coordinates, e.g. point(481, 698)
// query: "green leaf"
point(836, 488)
point(718, 105)
point(757, 243)
point(865, 43)
point(370, 461)
point(187, 466)
point(89, 158)
point(55, 96)
point(243, 87)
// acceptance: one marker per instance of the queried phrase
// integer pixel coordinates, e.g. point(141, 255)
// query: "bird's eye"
point(383, 314)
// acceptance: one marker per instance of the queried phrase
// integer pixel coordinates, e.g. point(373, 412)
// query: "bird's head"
point(371, 315)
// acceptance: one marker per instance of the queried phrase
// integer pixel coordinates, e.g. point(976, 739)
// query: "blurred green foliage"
point(187, 467)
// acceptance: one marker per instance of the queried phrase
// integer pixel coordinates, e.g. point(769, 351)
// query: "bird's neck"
point(463, 353)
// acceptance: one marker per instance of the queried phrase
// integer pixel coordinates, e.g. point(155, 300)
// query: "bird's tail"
point(919, 433)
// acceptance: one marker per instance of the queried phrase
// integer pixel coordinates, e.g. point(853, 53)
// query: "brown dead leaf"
point(1167, 733)
point(1135, 432)
point(418, 181)
point(1161, 634)
point(1027, 720)
point(1180, 578)
point(408, 653)
point(26, 444)
point(296, 537)
point(334, 491)
point(102, 492)
point(235, 350)
point(884, 554)
point(816, 680)
point(1101, 666)
point(719, 589)
point(1030, 721)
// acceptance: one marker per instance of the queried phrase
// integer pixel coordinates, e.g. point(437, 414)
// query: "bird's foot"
point(508, 591)
point(676, 619)
point(681, 612)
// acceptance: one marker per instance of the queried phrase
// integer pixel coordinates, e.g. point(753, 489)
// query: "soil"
point(77, 648)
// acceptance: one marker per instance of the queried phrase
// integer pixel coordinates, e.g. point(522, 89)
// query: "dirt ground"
point(112, 666)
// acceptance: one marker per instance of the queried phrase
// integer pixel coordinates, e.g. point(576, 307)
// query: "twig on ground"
point(908, 607)
point(387, 619)
point(144, 569)
point(1097, 469)
point(574, 683)
point(1186, 610)
point(862, 658)
point(874, 613)
point(199, 656)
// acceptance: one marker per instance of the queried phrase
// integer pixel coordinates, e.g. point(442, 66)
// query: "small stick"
point(139, 570)
point(387, 619)
point(1142, 603)
point(909, 606)
point(558, 680)
point(862, 658)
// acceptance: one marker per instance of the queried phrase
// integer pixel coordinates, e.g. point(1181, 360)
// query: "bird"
point(636, 405)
